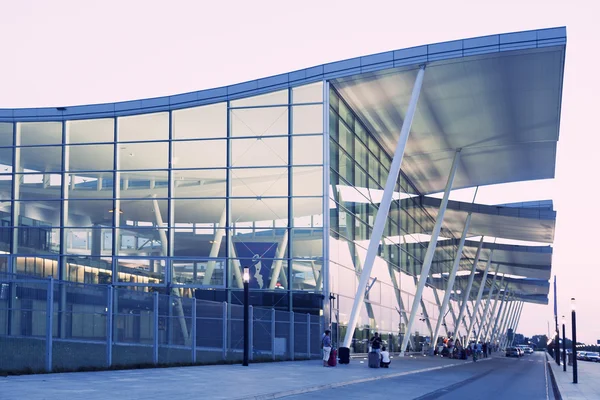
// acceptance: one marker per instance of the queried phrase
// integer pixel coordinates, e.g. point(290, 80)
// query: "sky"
point(69, 52)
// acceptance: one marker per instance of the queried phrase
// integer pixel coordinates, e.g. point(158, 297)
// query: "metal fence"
point(50, 325)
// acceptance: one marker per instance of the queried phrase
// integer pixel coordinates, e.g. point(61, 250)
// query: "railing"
point(51, 325)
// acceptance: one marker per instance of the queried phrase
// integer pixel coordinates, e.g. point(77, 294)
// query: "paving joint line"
point(293, 392)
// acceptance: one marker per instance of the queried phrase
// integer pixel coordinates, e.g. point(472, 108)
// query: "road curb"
point(555, 389)
point(334, 385)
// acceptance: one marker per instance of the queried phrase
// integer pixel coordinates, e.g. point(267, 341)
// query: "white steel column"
point(510, 322)
point(509, 315)
point(491, 317)
point(501, 312)
point(517, 320)
point(279, 262)
point(214, 250)
point(451, 280)
point(479, 294)
point(497, 329)
point(430, 250)
point(481, 320)
point(384, 208)
point(461, 313)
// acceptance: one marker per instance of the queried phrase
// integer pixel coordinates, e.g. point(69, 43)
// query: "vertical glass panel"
point(35, 133)
point(307, 243)
point(6, 161)
point(307, 181)
point(39, 186)
point(259, 211)
point(200, 154)
point(99, 157)
point(311, 93)
point(193, 272)
point(144, 213)
point(140, 128)
point(143, 271)
point(307, 150)
point(306, 275)
point(199, 183)
point(47, 159)
point(346, 115)
point(37, 266)
point(273, 98)
point(38, 213)
point(6, 134)
point(91, 130)
point(91, 270)
point(87, 213)
point(200, 122)
point(307, 119)
point(142, 242)
point(308, 212)
point(95, 241)
point(264, 121)
point(198, 211)
point(259, 152)
point(199, 242)
point(143, 184)
point(143, 155)
point(38, 240)
point(252, 182)
point(90, 185)
point(346, 138)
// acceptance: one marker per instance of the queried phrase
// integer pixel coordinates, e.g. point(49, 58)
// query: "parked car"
point(512, 352)
point(526, 349)
point(591, 356)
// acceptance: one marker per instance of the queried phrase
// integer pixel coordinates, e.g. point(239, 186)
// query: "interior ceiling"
point(502, 110)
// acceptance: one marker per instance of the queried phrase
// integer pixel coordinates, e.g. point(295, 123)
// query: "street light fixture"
point(574, 339)
point(246, 279)
point(564, 346)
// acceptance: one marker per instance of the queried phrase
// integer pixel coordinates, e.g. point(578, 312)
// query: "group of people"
point(454, 349)
point(375, 343)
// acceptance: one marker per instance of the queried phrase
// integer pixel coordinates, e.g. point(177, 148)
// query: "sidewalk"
point(587, 387)
point(257, 381)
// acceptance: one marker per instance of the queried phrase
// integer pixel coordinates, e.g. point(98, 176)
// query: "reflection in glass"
point(144, 212)
point(307, 119)
point(6, 161)
point(306, 275)
point(39, 186)
point(141, 128)
point(91, 130)
point(308, 212)
point(265, 121)
point(200, 154)
point(249, 182)
point(307, 181)
point(6, 134)
point(145, 271)
point(38, 213)
point(307, 242)
point(95, 241)
point(200, 122)
point(259, 152)
point(142, 242)
point(36, 133)
point(194, 272)
point(88, 213)
point(143, 184)
point(143, 155)
point(199, 183)
point(199, 241)
point(41, 159)
point(38, 240)
point(98, 157)
point(307, 150)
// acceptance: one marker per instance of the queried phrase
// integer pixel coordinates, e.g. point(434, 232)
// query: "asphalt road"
point(498, 378)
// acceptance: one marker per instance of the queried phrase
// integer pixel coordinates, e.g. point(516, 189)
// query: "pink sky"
point(73, 52)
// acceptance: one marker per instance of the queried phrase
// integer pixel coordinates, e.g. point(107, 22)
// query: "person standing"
point(326, 342)
point(376, 343)
point(485, 350)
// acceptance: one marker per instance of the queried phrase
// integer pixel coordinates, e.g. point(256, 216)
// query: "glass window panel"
point(38, 213)
point(193, 272)
point(307, 243)
point(46, 158)
point(142, 212)
point(140, 128)
point(311, 93)
point(346, 138)
point(145, 271)
point(6, 134)
point(38, 240)
point(334, 101)
point(95, 241)
point(6, 161)
point(307, 150)
point(202, 211)
point(200, 154)
point(259, 152)
point(99, 157)
point(37, 266)
point(261, 264)
point(307, 181)
point(307, 119)
point(91, 130)
point(35, 133)
point(306, 275)
point(360, 153)
point(200, 122)
point(143, 184)
point(265, 121)
point(259, 210)
point(90, 185)
point(308, 212)
point(199, 183)
point(334, 126)
point(273, 98)
point(143, 155)
point(250, 182)
point(84, 213)
point(91, 270)
point(346, 115)
point(142, 242)
point(202, 242)
point(39, 186)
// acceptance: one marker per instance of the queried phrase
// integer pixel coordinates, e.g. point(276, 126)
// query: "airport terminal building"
point(330, 183)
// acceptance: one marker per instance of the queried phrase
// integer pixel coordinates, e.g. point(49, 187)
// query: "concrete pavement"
point(588, 386)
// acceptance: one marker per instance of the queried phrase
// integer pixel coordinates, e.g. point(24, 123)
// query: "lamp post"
point(246, 279)
point(564, 345)
point(574, 339)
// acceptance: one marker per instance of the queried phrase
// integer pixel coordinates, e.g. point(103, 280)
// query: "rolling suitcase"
point(332, 358)
point(374, 359)
point(344, 355)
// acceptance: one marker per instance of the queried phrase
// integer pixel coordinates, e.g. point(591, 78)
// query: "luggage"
point(332, 358)
point(374, 360)
point(344, 355)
